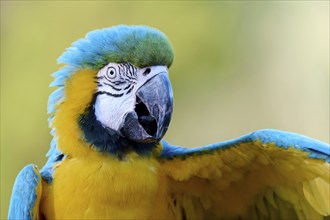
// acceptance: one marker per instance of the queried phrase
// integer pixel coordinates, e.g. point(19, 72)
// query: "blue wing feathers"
point(24, 195)
point(315, 148)
point(287, 139)
point(54, 156)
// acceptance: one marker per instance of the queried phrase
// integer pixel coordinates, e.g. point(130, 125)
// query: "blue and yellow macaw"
point(107, 159)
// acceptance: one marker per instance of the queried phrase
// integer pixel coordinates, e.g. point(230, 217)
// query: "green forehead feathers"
point(139, 45)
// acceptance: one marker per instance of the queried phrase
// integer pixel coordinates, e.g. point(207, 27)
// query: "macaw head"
point(114, 92)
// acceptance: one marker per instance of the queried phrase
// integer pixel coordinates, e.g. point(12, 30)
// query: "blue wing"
point(27, 190)
point(25, 199)
point(267, 174)
point(314, 148)
point(54, 156)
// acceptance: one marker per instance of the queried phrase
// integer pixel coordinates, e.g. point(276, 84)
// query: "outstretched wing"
point(25, 198)
point(267, 174)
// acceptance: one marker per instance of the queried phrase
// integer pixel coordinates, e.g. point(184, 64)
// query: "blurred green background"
point(239, 66)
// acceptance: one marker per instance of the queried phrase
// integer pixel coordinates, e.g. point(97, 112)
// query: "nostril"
point(147, 71)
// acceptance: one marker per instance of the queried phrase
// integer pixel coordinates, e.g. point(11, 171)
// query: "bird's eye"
point(111, 72)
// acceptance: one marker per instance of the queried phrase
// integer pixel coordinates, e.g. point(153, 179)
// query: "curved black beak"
point(153, 111)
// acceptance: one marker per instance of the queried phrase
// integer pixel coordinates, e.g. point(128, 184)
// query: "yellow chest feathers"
point(103, 187)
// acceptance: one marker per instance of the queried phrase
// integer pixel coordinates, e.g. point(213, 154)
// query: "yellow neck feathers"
point(78, 95)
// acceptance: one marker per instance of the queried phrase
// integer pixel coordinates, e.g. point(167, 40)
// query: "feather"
point(26, 195)
point(261, 177)
point(139, 45)
point(54, 99)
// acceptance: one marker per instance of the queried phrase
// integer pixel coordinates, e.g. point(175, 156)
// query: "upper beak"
point(153, 111)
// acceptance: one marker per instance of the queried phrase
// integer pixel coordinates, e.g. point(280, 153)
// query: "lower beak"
point(153, 111)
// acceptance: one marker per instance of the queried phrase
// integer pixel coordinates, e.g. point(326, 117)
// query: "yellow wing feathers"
point(251, 180)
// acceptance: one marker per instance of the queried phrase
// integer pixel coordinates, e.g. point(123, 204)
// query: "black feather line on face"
point(127, 70)
point(114, 88)
point(109, 94)
point(129, 85)
point(130, 90)
point(99, 77)
point(107, 140)
point(119, 82)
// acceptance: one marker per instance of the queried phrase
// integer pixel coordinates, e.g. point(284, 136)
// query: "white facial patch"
point(117, 84)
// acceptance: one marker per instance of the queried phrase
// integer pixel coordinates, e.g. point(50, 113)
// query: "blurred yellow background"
point(239, 66)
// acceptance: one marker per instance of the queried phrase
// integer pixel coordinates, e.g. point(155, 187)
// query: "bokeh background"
point(239, 66)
